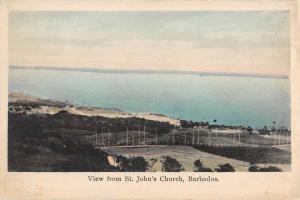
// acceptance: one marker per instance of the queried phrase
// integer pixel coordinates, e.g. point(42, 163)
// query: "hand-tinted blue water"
point(230, 100)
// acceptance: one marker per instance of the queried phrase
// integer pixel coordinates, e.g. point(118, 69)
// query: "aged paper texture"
point(149, 99)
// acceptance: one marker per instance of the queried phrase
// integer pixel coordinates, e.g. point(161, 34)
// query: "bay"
point(231, 100)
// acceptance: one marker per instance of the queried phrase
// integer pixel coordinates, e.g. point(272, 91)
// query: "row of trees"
point(172, 165)
point(262, 131)
point(169, 164)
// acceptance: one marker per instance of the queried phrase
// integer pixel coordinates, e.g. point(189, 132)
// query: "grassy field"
point(186, 156)
point(243, 138)
point(250, 154)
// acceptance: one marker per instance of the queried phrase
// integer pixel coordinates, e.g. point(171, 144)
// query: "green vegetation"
point(199, 167)
point(225, 168)
point(249, 154)
point(255, 168)
point(171, 165)
point(38, 155)
point(191, 124)
point(65, 142)
point(134, 164)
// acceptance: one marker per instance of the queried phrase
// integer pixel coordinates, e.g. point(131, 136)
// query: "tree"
point(171, 165)
point(225, 168)
point(264, 131)
point(188, 124)
point(255, 168)
point(134, 164)
point(198, 167)
point(138, 164)
point(249, 129)
point(270, 169)
point(123, 163)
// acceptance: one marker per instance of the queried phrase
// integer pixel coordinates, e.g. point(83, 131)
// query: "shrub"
point(134, 164)
point(270, 169)
point(198, 167)
point(171, 165)
point(123, 163)
point(225, 168)
point(138, 164)
point(255, 168)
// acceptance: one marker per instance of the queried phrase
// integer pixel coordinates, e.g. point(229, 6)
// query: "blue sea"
point(231, 100)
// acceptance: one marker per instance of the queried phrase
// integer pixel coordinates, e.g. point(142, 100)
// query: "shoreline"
point(52, 107)
point(128, 71)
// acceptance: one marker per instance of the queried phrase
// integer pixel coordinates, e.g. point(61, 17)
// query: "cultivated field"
point(185, 155)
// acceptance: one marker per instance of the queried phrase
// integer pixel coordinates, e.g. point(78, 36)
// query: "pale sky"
point(212, 41)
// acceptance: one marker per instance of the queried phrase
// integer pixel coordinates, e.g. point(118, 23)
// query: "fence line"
point(187, 137)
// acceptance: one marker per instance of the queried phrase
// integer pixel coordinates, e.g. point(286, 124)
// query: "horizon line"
point(140, 71)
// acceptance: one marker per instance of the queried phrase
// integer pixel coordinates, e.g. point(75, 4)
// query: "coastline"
point(68, 132)
point(52, 107)
point(128, 71)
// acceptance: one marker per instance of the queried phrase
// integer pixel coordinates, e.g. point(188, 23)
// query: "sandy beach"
point(52, 107)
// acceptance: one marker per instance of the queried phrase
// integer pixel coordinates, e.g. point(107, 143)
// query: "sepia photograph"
point(149, 91)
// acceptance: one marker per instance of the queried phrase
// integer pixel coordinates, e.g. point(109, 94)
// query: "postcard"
point(126, 100)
